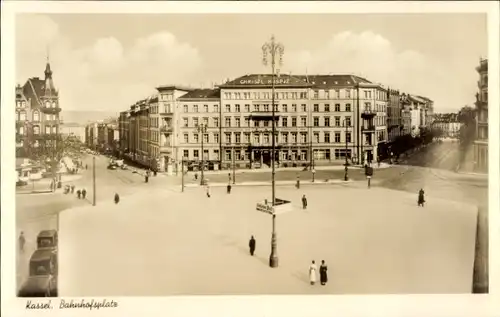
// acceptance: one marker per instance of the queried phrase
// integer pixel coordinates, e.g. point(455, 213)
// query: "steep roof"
point(34, 89)
point(202, 94)
point(260, 80)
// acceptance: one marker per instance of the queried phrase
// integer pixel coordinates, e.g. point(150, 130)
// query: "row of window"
point(265, 138)
point(235, 122)
point(21, 116)
point(267, 108)
point(316, 94)
point(48, 104)
point(36, 130)
point(284, 155)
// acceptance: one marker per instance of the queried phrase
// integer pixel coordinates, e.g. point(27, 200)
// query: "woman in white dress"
point(312, 272)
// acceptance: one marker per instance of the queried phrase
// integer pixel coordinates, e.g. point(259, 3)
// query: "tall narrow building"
point(481, 142)
point(37, 117)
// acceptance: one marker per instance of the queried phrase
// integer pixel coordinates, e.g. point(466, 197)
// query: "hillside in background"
point(84, 117)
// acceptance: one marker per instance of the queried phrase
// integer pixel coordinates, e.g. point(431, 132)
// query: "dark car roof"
point(42, 254)
point(47, 233)
point(34, 286)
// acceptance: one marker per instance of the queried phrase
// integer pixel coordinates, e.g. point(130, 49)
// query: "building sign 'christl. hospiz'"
point(259, 81)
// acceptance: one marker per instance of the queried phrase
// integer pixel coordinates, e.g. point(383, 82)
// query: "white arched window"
point(47, 104)
point(36, 129)
point(53, 104)
point(22, 116)
point(36, 116)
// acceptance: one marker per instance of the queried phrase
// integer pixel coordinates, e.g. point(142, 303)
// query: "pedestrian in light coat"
point(313, 269)
point(251, 245)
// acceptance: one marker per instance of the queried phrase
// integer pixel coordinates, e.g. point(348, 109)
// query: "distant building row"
point(448, 124)
point(102, 136)
point(316, 116)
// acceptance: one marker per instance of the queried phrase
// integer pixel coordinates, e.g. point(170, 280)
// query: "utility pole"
point(234, 168)
point(346, 175)
point(93, 182)
point(202, 128)
point(182, 172)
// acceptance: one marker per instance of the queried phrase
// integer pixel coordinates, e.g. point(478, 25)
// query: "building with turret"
point(37, 117)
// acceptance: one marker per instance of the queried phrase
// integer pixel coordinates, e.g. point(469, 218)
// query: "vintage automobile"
point(42, 280)
point(47, 239)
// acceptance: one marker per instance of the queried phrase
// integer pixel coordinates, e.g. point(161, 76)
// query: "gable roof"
point(202, 94)
point(34, 88)
point(265, 80)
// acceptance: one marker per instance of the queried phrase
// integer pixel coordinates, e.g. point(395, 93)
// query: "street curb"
point(292, 183)
point(31, 192)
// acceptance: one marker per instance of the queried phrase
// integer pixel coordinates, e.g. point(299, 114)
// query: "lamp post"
point(275, 50)
point(234, 167)
point(202, 128)
point(346, 169)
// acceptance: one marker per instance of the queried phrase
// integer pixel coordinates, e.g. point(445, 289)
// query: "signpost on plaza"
point(275, 50)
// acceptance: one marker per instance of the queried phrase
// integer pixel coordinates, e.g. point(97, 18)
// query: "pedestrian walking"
point(84, 193)
point(22, 241)
point(304, 202)
point(298, 182)
point(229, 177)
point(196, 176)
point(229, 188)
point(208, 191)
point(146, 178)
point(251, 245)
point(117, 198)
point(72, 189)
point(78, 193)
point(312, 273)
point(323, 275)
point(421, 198)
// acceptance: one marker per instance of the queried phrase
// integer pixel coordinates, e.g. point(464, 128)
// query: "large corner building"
point(320, 119)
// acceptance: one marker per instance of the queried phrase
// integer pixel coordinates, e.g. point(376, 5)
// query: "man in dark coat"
point(229, 188)
point(117, 198)
point(421, 198)
point(251, 245)
point(78, 193)
point(323, 275)
point(84, 193)
point(304, 202)
point(298, 182)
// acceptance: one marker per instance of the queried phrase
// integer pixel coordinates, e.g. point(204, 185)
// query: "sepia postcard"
point(250, 158)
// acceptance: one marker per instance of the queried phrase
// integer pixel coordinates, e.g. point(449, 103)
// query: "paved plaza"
point(171, 243)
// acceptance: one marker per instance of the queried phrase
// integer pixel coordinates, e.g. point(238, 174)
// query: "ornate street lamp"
point(202, 129)
point(275, 50)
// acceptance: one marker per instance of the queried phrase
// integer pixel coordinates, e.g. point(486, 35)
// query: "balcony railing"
point(167, 128)
point(52, 110)
point(268, 114)
point(368, 112)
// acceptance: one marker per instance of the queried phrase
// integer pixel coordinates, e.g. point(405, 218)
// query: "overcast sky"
point(107, 62)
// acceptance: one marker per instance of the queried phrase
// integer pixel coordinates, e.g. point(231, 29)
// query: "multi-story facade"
point(320, 119)
point(37, 117)
point(481, 142)
point(199, 121)
point(394, 115)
